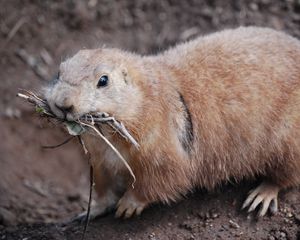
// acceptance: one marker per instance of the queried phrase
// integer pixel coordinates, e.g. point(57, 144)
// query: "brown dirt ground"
point(40, 188)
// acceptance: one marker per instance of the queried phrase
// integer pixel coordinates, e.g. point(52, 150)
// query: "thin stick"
point(87, 220)
point(60, 144)
point(113, 148)
point(89, 203)
point(113, 123)
point(38, 102)
point(36, 96)
point(83, 145)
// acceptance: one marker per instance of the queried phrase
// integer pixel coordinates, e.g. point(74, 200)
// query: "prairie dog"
point(223, 106)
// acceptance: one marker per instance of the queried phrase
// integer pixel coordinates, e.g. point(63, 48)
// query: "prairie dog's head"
point(94, 81)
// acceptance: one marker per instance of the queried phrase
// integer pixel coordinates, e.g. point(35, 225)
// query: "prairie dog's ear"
point(125, 74)
point(124, 71)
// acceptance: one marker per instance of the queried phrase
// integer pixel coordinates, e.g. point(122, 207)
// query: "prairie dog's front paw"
point(100, 207)
point(129, 205)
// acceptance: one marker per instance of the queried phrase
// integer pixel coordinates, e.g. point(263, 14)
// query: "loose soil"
point(39, 188)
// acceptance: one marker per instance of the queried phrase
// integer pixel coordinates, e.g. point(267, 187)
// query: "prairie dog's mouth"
point(64, 115)
point(70, 117)
point(99, 116)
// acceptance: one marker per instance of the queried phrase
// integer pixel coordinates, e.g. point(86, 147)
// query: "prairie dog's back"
point(243, 89)
point(234, 45)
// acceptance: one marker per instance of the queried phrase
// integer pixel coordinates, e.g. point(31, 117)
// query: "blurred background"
point(39, 188)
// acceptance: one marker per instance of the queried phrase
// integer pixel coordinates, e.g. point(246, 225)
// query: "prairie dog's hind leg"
point(265, 194)
point(99, 208)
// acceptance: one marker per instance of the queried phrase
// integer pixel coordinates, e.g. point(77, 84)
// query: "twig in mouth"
point(113, 123)
point(41, 105)
point(87, 121)
point(97, 118)
point(113, 148)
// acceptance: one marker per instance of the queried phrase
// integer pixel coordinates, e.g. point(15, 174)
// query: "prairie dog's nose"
point(64, 108)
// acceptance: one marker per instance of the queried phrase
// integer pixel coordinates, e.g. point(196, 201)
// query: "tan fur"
point(241, 87)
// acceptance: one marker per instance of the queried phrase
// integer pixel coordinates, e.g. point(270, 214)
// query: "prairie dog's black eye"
point(103, 81)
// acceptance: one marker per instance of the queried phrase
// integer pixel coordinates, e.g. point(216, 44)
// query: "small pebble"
point(233, 224)
point(282, 234)
point(297, 218)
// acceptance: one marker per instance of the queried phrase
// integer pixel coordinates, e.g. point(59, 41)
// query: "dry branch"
point(90, 121)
